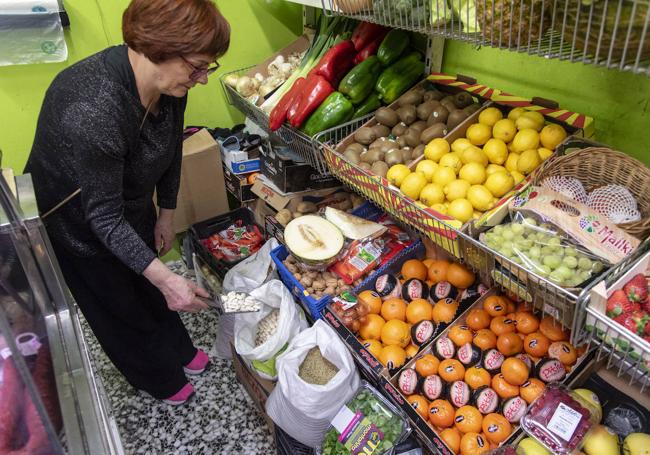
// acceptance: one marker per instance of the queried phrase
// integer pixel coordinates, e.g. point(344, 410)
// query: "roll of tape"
point(28, 343)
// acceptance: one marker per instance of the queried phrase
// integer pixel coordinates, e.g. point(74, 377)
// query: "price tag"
point(564, 422)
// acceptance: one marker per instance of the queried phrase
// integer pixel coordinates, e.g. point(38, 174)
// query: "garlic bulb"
point(246, 85)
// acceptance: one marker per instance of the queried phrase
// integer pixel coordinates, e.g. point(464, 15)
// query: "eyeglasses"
point(198, 72)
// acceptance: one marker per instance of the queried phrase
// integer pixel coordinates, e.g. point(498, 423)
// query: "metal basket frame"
point(562, 29)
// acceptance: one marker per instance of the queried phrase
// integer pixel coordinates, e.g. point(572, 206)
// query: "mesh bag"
point(615, 202)
point(567, 186)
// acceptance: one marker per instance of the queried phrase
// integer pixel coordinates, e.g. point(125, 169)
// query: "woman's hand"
point(181, 294)
point(164, 231)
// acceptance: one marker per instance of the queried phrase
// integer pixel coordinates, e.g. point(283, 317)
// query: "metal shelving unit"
point(610, 33)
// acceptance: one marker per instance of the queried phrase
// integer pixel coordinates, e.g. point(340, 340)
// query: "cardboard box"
point(202, 192)
point(279, 200)
point(238, 185)
point(240, 162)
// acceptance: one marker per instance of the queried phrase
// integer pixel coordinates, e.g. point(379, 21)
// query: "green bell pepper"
point(370, 104)
point(336, 109)
point(399, 77)
point(360, 81)
point(395, 42)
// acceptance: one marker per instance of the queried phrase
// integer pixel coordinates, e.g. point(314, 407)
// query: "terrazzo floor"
point(220, 419)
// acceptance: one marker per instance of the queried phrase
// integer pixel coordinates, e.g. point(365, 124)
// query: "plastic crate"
point(204, 229)
point(286, 445)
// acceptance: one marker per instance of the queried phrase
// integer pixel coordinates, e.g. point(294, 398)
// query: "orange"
point(503, 388)
point(438, 271)
point(427, 365)
point(427, 262)
point(509, 344)
point(460, 276)
point(531, 389)
point(552, 329)
point(526, 322)
point(477, 376)
point(394, 308)
point(563, 351)
point(411, 351)
point(468, 419)
point(496, 428)
point(371, 329)
point(525, 307)
point(510, 305)
point(514, 371)
point(501, 324)
point(392, 357)
point(444, 311)
point(473, 444)
point(418, 310)
point(441, 413)
point(396, 333)
point(495, 306)
point(451, 370)
point(420, 404)
point(452, 438)
point(485, 339)
point(372, 301)
point(373, 346)
point(478, 319)
point(536, 344)
point(460, 335)
point(414, 268)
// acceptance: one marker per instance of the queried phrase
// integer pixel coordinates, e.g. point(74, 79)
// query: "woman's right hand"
point(180, 293)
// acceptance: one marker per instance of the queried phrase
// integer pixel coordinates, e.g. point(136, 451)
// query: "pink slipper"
point(198, 364)
point(181, 396)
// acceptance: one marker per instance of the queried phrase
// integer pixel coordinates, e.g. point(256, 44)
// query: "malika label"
point(361, 437)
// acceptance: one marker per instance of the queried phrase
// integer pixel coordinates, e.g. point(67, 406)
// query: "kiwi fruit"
point(456, 117)
point(356, 146)
point(371, 156)
point(399, 129)
point(412, 97)
point(377, 143)
point(424, 110)
point(379, 168)
point(386, 116)
point(419, 125)
point(352, 156)
point(365, 135)
point(417, 152)
point(401, 142)
point(448, 104)
point(469, 110)
point(388, 145)
point(462, 99)
point(381, 130)
point(412, 137)
point(430, 95)
point(407, 153)
point(407, 114)
point(438, 115)
point(434, 131)
point(365, 166)
point(394, 157)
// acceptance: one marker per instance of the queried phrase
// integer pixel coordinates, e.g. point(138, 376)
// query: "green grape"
point(524, 244)
point(544, 270)
point(556, 277)
point(571, 251)
point(542, 237)
point(570, 261)
point(506, 250)
point(517, 228)
point(530, 221)
point(534, 252)
point(553, 261)
point(554, 241)
point(565, 272)
point(507, 234)
point(585, 263)
point(498, 229)
point(584, 275)
point(548, 251)
point(572, 282)
point(598, 267)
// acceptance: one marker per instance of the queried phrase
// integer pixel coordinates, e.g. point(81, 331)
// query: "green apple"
point(529, 446)
point(636, 444)
point(601, 441)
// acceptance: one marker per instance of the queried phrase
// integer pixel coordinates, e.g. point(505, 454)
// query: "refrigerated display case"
point(50, 401)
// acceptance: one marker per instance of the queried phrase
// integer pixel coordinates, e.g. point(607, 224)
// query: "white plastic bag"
point(273, 294)
point(246, 276)
point(305, 410)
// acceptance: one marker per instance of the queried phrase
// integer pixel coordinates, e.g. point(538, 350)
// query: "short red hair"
point(164, 29)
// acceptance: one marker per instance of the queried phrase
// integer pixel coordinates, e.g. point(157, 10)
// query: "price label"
point(564, 422)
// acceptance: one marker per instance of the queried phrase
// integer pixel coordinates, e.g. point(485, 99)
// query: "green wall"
point(259, 28)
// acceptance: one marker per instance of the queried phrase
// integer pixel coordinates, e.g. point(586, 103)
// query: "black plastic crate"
point(204, 229)
point(286, 445)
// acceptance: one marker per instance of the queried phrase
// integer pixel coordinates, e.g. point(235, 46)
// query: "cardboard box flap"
point(270, 194)
point(198, 142)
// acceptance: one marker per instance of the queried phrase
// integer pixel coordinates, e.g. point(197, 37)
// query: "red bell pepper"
point(336, 62)
point(366, 33)
point(314, 92)
point(371, 47)
point(280, 111)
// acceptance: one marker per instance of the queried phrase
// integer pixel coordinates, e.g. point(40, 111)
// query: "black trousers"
point(145, 340)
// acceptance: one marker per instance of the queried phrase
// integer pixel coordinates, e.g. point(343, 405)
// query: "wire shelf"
point(610, 33)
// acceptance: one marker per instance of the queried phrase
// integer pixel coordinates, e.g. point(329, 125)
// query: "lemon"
point(490, 116)
point(544, 153)
point(427, 167)
point(397, 173)
point(516, 113)
point(451, 160)
point(456, 189)
point(435, 149)
point(460, 144)
point(551, 135)
point(528, 161)
point(461, 209)
point(444, 175)
point(413, 185)
point(473, 172)
point(476, 215)
point(505, 129)
point(496, 151)
point(518, 176)
point(492, 168)
point(440, 208)
point(525, 139)
point(511, 162)
point(499, 183)
point(480, 198)
point(474, 154)
point(530, 119)
point(478, 134)
point(432, 194)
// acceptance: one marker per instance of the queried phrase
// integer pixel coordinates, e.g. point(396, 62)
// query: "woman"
point(108, 135)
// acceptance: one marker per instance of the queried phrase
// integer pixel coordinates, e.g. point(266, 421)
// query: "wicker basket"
point(599, 166)
point(600, 17)
point(513, 23)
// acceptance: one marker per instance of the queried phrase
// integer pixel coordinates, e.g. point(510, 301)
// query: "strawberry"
point(639, 320)
point(618, 305)
point(645, 305)
point(646, 331)
point(637, 288)
point(626, 321)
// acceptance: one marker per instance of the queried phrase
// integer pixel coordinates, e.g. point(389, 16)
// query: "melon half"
point(313, 240)
point(353, 227)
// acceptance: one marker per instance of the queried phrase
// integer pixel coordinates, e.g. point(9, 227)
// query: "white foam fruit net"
point(566, 186)
point(615, 202)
